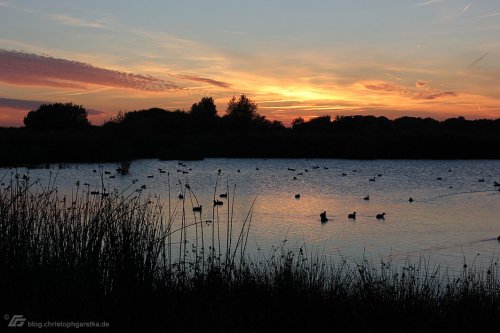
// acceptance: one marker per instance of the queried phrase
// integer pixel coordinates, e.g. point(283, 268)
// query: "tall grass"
point(118, 256)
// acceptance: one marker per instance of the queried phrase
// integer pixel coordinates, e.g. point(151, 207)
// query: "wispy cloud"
point(9, 5)
point(202, 79)
point(426, 91)
point(487, 15)
point(385, 87)
point(35, 70)
point(423, 90)
point(426, 3)
point(235, 32)
point(425, 95)
point(79, 22)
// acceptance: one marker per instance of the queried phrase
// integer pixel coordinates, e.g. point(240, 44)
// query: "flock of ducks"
point(351, 216)
point(216, 202)
point(381, 216)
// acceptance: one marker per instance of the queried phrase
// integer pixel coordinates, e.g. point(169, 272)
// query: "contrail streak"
point(475, 62)
point(430, 2)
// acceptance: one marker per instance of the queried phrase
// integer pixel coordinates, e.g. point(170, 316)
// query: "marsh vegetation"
point(116, 256)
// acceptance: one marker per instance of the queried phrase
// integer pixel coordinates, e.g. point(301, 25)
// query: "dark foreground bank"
point(61, 133)
point(117, 258)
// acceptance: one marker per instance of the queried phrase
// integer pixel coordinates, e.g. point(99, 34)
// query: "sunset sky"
point(437, 58)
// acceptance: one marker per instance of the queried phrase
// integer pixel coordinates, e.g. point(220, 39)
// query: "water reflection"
point(454, 213)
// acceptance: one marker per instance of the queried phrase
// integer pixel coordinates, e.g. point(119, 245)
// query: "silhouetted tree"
point(57, 116)
point(298, 123)
point(242, 108)
point(205, 109)
point(154, 120)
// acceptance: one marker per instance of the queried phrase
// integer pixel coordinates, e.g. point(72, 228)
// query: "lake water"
point(454, 217)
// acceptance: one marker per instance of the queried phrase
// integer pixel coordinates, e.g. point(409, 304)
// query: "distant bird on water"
point(297, 196)
point(323, 217)
point(223, 195)
point(366, 198)
point(197, 209)
point(410, 200)
point(180, 196)
point(218, 203)
point(352, 216)
point(381, 216)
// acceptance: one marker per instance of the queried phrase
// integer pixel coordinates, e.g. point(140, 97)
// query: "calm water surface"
point(451, 219)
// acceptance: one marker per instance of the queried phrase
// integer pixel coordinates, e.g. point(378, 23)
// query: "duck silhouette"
point(323, 217)
point(352, 216)
point(381, 216)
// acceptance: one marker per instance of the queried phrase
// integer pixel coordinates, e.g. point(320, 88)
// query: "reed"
point(117, 256)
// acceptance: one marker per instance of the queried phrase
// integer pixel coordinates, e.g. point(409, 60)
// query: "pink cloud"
point(21, 68)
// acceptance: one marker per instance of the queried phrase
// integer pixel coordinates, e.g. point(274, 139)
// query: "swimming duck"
point(323, 217)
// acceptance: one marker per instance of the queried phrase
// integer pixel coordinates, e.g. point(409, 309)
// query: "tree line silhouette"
point(62, 133)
